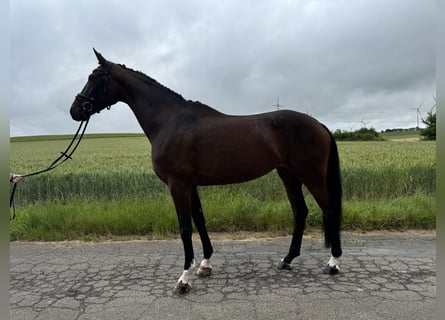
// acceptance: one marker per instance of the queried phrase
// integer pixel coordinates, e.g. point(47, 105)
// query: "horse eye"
point(92, 77)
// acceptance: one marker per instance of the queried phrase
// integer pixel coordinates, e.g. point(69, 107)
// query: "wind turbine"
point(434, 105)
point(364, 124)
point(419, 115)
point(278, 105)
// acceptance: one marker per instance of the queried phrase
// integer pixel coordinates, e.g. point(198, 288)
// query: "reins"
point(65, 155)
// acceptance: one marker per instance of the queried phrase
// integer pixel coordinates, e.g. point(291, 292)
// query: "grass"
point(155, 218)
point(109, 190)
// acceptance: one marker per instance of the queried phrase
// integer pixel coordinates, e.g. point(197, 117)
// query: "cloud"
point(337, 60)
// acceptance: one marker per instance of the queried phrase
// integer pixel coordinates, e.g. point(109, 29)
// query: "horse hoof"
point(182, 288)
point(331, 270)
point(284, 266)
point(204, 271)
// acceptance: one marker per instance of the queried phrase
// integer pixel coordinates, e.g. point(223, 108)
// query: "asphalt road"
point(382, 276)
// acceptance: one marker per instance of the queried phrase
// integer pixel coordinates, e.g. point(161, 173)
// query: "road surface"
point(382, 276)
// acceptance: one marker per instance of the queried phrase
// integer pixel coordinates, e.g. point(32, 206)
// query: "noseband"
point(88, 106)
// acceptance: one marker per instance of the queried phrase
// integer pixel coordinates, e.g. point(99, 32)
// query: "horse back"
point(220, 149)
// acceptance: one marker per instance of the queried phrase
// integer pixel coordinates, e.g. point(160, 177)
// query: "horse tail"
point(332, 222)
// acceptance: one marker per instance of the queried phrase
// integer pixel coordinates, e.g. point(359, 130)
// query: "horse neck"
point(151, 103)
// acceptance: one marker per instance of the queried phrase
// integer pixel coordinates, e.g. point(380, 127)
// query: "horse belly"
point(225, 164)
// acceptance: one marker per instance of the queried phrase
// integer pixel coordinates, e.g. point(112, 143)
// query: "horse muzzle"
point(81, 112)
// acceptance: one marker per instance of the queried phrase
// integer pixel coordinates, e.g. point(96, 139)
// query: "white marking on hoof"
point(332, 267)
point(183, 284)
point(284, 266)
point(205, 268)
point(333, 262)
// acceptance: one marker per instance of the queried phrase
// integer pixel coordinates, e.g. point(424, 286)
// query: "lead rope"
point(65, 155)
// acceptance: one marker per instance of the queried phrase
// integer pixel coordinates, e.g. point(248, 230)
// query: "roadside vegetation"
point(429, 132)
point(363, 134)
point(110, 190)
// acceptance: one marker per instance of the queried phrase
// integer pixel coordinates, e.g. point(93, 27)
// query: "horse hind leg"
point(331, 225)
point(300, 211)
point(205, 268)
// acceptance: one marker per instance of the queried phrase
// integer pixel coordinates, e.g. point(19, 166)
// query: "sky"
point(349, 63)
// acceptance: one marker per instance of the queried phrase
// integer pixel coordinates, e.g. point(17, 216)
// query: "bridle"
point(64, 156)
point(88, 106)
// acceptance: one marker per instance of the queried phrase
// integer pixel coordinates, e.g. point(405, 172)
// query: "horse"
point(195, 145)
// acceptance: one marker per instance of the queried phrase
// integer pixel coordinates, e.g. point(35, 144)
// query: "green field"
point(401, 135)
point(109, 189)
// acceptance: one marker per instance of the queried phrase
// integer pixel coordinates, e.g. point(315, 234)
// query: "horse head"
point(99, 92)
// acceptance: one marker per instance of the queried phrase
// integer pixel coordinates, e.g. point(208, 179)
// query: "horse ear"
point(102, 61)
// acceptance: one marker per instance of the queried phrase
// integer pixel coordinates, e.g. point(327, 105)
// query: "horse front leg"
point(205, 268)
point(181, 195)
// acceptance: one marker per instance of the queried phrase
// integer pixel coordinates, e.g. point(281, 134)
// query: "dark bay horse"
point(196, 145)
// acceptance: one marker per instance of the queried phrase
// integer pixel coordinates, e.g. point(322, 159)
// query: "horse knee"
point(185, 231)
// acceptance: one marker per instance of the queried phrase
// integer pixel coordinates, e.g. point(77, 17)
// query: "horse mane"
point(153, 82)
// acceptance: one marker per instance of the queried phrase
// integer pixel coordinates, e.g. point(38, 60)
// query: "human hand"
point(16, 178)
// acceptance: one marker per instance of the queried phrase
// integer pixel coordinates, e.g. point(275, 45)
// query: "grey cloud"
point(338, 60)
